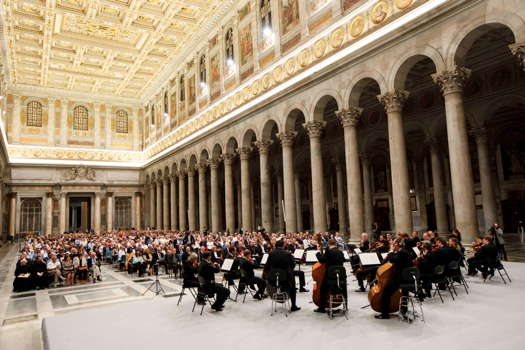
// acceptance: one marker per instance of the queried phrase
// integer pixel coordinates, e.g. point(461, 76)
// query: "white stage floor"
point(491, 316)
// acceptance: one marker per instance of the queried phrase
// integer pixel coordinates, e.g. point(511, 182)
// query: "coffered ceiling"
point(105, 47)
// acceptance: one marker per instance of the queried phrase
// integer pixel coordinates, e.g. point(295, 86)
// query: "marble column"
point(280, 200)
point(166, 203)
point(158, 206)
point(266, 184)
point(485, 176)
point(367, 195)
point(203, 197)
point(518, 50)
point(49, 213)
point(109, 215)
point(440, 201)
point(245, 153)
point(349, 120)
point(64, 104)
point(62, 218)
point(452, 83)
point(51, 122)
point(341, 209)
point(152, 205)
point(182, 200)
point(138, 211)
point(192, 218)
point(12, 214)
point(98, 195)
point(174, 214)
point(290, 208)
point(228, 192)
point(15, 135)
point(215, 201)
point(314, 130)
point(393, 102)
point(298, 203)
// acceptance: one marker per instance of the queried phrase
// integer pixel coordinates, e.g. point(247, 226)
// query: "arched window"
point(31, 215)
point(229, 45)
point(121, 122)
point(166, 105)
point(80, 118)
point(266, 15)
point(181, 89)
point(34, 114)
point(202, 69)
point(152, 114)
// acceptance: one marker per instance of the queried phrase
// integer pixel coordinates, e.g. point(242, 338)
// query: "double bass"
point(318, 276)
point(384, 276)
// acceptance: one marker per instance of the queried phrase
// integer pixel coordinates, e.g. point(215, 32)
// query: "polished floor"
point(115, 308)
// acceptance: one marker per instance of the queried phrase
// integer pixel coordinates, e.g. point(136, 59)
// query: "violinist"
point(400, 259)
point(332, 258)
point(364, 245)
point(486, 255)
point(248, 278)
point(207, 271)
point(426, 263)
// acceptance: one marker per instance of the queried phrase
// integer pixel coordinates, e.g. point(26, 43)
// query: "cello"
point(384, 276)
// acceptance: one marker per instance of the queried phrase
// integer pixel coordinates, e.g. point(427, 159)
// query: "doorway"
point(79, 214)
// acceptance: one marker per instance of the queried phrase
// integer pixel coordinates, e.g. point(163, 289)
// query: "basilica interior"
point(240, 116)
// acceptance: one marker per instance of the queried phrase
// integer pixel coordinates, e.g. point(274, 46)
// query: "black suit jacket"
point(331, 257)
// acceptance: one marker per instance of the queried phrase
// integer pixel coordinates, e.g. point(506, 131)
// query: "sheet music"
point(369, 259)
point(357, 251)
point(298, 254)
point(345, 253)
point(227, 265)
point(417, 251)
point(311, 256)
point(264, 259)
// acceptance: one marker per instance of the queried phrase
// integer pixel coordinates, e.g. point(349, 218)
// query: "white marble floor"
point(491, 316)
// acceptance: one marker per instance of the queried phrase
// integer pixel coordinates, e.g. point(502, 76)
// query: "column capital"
point(228, 158)
point(181, 173)
point(480, 134)
point(166, 179)
point(244, 152)
point(12, 194)
point(109, 194)
point(174, 175)
point(191, 171)
point(349, 117)
point(452, 81)
point(393, 101)
point(51, 100)
point(214, 163)
point(138, 194)
point(202, 167)
point(314, 128)
point(50, 195)
point(98, 195)
point(263, 146)
point(287, 138)
point(518, 50)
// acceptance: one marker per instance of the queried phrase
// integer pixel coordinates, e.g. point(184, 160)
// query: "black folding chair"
point(410, 281)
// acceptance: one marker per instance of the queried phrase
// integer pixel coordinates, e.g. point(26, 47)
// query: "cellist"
point(400, 259)
point(331, 257)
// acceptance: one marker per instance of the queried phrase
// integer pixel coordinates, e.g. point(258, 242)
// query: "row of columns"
point(359, 196)
point(48, 228)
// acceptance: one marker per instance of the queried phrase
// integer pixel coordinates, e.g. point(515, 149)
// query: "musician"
point(247, 265)
point(207, 271)
point(427, 262)
point(400, 259)
point(445, 253)
point(283, 260)
point(332, 258)
point(484, 258)
point(364, 245)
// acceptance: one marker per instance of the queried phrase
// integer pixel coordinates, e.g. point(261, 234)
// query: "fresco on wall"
point(246, 44)
point(215, 71)
point(191, 89)
point(245, 11)
point(314, 5)
point(289, 15)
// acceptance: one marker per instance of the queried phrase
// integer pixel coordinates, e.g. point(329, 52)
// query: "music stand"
point(311, 256)
point(264, 259)
point(298, 256)
point(155, 287)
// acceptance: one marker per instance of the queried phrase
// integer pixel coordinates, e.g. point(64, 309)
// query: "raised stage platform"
point(491, 316)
